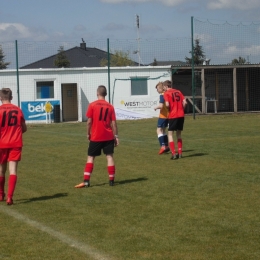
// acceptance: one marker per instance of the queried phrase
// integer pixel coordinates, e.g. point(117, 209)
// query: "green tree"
point(61, 60)
point(118, 59)
point(198, 54)
point(3, 64)
point(154, 62)
point(240, 60)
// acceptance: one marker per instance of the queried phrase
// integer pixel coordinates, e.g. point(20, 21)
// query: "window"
point(45, 89)
point(139, 86)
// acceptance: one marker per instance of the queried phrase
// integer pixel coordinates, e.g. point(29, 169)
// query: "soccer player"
point(162, 120)
point(176, 103)
point(103, 135)
point(12, 126)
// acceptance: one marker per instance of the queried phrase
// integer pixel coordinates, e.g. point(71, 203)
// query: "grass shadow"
point(195, 155)
point(131, 180)
point(122, 182)
point(55, 196)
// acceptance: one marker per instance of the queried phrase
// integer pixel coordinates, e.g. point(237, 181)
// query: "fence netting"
point(232, 51)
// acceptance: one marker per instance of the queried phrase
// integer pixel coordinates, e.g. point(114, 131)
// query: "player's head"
point(159, 87)
point(6, 94)
point(167, 84)
point(101, 91)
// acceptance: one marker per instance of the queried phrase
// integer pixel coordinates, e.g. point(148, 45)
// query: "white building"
point(69, 91)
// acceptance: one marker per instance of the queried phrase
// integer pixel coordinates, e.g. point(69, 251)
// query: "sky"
point(93, 20)
point(66, 20)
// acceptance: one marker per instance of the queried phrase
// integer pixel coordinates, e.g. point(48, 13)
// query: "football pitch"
point(200, 207)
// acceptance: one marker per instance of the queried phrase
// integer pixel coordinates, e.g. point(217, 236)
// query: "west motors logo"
point(139, 104)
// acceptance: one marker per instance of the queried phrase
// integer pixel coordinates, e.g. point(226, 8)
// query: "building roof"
point(78, 57)
point(173, 63)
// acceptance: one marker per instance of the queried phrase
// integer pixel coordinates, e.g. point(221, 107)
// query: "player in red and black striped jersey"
point(12, 126)
point(176, 102)
point(103, 135)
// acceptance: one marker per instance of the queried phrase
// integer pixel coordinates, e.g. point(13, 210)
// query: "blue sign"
point(36, 110)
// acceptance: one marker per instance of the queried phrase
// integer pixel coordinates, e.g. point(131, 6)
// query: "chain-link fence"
point(217, 69)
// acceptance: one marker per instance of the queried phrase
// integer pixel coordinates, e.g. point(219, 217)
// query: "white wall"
point(87, 80)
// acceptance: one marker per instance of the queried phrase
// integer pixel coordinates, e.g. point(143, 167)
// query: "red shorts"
point(10, 154)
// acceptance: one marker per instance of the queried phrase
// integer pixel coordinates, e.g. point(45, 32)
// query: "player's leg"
point(178, 135)
point(159, 131)
point(88, 169)
point(13, 165)
point(171, 129)
point(161, 140)
point(162, 137)
point(89, 166)
point(166, 141)
point(94, 150)
point(179, 140)
point(111, 169)
point(3, 168)
point(14, 156)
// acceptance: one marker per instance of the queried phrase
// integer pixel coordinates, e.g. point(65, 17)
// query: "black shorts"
point(176, 124)
point(95, 148)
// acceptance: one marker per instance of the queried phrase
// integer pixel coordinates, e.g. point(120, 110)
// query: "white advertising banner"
point(142, 106)
point(122, 114)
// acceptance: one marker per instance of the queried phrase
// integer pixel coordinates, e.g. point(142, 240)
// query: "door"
point(69, 102)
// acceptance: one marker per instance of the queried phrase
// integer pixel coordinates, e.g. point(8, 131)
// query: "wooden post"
point(203, 99)
point(235, 89)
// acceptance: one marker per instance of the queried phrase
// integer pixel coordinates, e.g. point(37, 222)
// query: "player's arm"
point(159, 106)
point(89, 125)
point(115, 131)
point(24, 127)
point(184, 103)
point(167, 104)
point(161, 102)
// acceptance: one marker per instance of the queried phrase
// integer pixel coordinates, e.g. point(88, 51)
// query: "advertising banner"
point(122, 114)
point(143, 106)
point(39, 110)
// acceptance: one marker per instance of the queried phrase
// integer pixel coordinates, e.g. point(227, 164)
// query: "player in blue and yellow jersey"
point(162, 120)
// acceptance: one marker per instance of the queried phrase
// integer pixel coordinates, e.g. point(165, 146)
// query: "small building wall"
point(87, 80)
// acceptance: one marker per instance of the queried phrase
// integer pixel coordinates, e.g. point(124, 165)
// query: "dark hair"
point(6, 94)
point(102, 91)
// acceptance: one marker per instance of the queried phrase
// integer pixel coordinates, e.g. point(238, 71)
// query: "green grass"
point(203, 206)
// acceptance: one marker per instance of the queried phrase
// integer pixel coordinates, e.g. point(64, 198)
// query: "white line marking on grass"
point(85, 248)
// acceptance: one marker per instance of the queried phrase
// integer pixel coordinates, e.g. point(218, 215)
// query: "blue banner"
point(36, 110)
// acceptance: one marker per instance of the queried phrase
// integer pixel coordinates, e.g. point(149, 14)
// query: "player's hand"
point(116, 140)
point(89, 136)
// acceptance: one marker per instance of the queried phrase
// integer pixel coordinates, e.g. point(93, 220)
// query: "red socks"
point(11, 185)
point(111, 172)
point(172, 147)
point(87, 171)
point(180, 146)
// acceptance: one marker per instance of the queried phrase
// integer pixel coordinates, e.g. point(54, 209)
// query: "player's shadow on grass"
point(55, 196)
point(123, 182)
point(195, 155)
point(131, 180)
point(185, 151)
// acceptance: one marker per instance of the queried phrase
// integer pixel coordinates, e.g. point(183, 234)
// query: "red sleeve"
point(89, 113)
point(113, 116)
point(166, 97)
